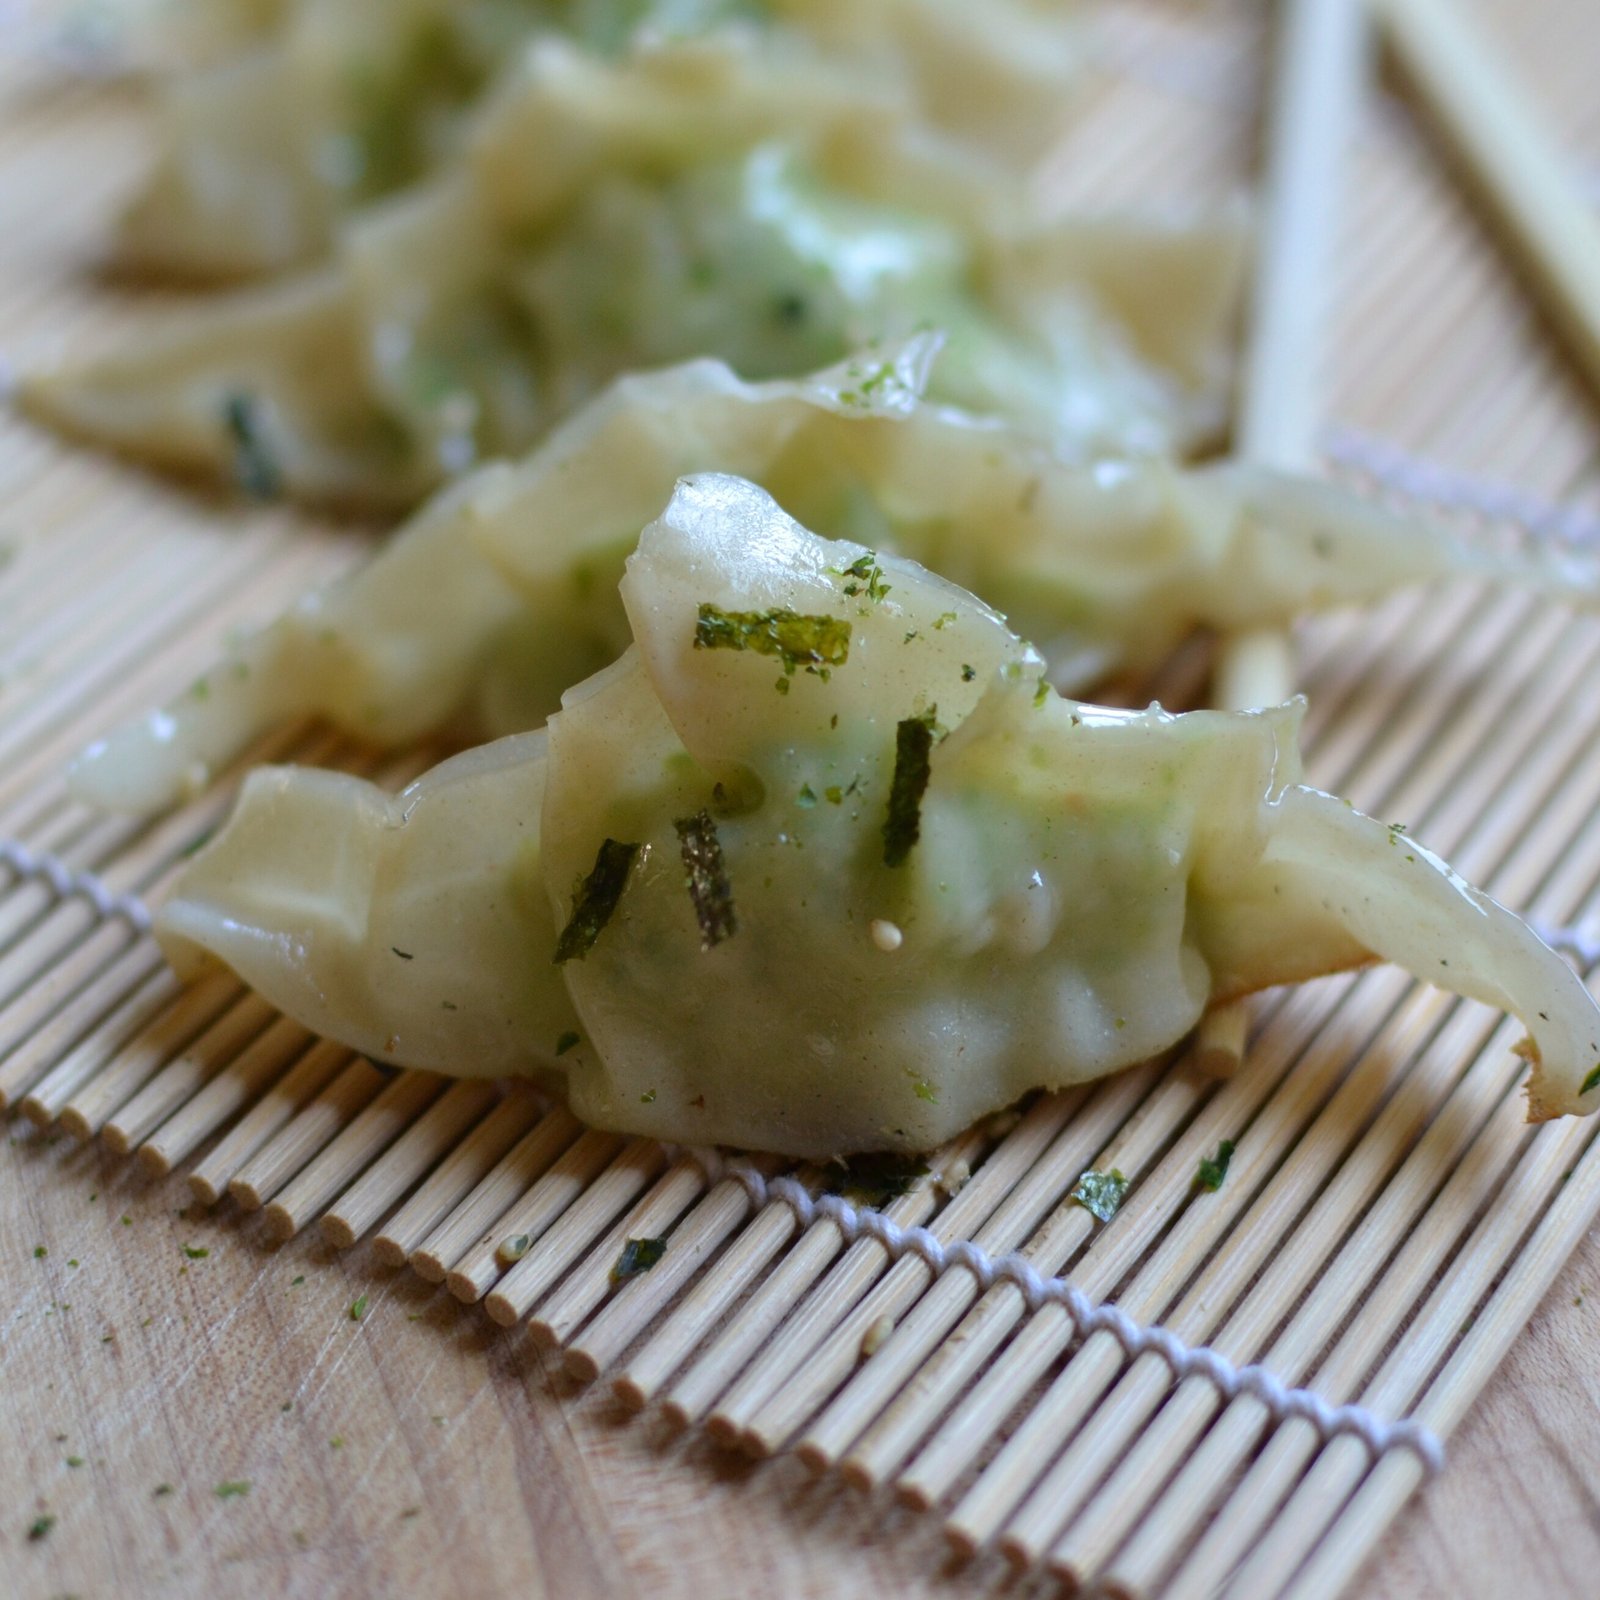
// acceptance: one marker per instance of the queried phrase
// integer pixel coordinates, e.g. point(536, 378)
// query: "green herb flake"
point(875, 1180)
point(648, 1098)
point(297, 1280)
point(806, 797)
point(1213, 1169)
point(1100, 1193)
point(196, 1252)
point(863, 573)
point(567, 1041)
point(254, 469)
point(74, 1461)
point(926, 1091)
point(913, 746)
point(944, 620)
point(968, 672)
point(596, 899)
point(233, 1489)
point(39, 1252)
point(1591, 1082)
point(706, 876)
point(638, 1257)
point(39, 1527)
point(161, 1491)
point(789, 310)
point(358, 1308)
point(1042, 691)
point(816, 643)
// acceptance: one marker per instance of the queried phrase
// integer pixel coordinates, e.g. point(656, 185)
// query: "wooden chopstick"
point(1510, 155)
point(1318, 74)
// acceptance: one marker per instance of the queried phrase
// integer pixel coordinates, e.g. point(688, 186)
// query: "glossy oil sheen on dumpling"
point(341, 101)
point(503, 591)
point(1081, 883)
point(740, 196)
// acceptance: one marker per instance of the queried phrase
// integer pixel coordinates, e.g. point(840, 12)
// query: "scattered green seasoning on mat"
point(638, 1257)
point(1213, 1169)
point(1100, 1193)
point(875, 1180)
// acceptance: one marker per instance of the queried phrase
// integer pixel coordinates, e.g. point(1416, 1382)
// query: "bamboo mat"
point(1388, 1223)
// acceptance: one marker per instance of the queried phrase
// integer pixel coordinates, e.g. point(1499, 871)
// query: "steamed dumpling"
point(740, 196)
point(503, 591)
point(822, 865)
point(341, 101)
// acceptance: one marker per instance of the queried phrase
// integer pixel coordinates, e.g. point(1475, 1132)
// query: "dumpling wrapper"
point(734, 196)
point(1083, 885)
point(263, 155)
point(503, 591)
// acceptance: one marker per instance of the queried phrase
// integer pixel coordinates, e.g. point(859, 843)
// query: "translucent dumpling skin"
point(321, 106)
point(503, 591)
point(745, 195)
point(829, 867)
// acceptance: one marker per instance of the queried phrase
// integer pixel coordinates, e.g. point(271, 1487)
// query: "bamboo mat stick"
point(1318, 74)
point(1472, 1151)
point(531, 1213)
point(87, 1112)
point(821, 1344)
point(1100, 1131)
point(456, 1176)
point(408, 1160)
point(1530, 1275)
point(637, 1304)
point(807, 1320)
point(570, 1298)
point(1518, 167)
point(407, 1095)
point(1218, 1549)
point(181, 1014)
point(183, 1078)
point(306, 1133)
point(1337, 1470)
point(739, 1339)
point(1209, 1465)
point(126, 995)
point(955, 1364)
point(512, 1176)
point(536, 1270)
point(709, 1305)
point(224, 1095)
point(992, 1505)
point(266, 1116)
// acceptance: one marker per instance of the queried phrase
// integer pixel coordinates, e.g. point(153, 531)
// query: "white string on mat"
point(1282, 1402)
point(68, 881)
point(1430, 484)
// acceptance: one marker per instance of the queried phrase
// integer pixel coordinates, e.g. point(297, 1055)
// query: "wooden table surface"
point(187, 1410)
